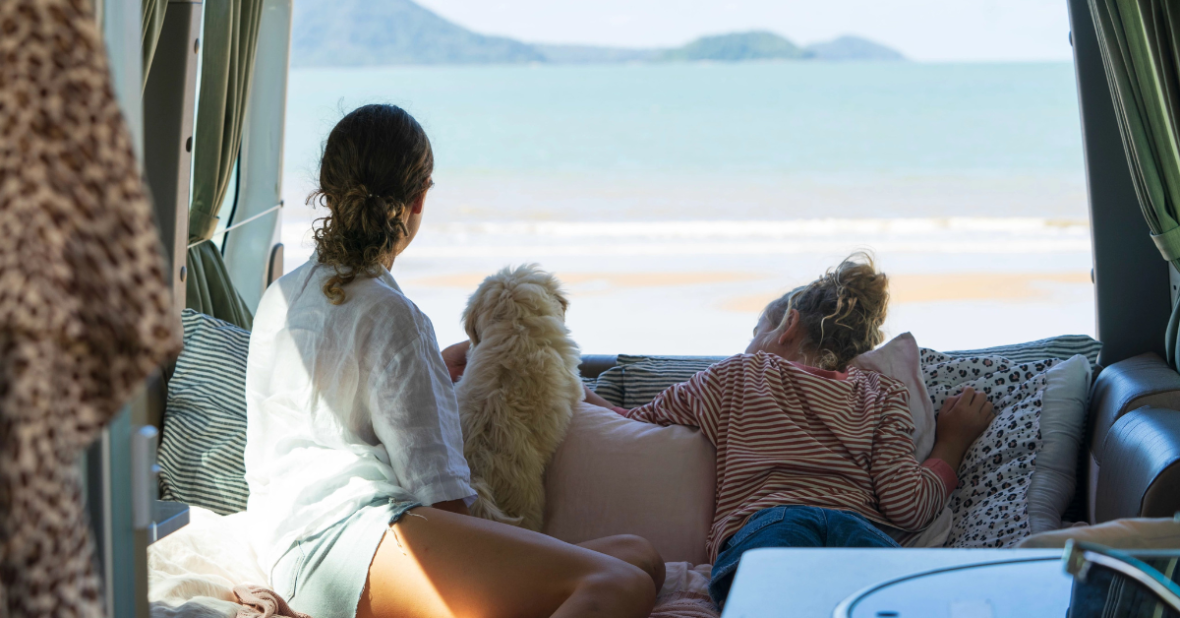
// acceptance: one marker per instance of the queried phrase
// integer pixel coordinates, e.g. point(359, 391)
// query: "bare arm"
point(455, 357)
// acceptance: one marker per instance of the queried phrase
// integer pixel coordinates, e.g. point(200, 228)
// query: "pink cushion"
point(900, 360)
point(613, 475)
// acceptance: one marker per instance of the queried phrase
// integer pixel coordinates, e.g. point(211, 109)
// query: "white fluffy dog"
point(518, 391)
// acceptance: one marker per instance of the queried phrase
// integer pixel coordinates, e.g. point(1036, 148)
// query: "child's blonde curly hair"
point(842, 312)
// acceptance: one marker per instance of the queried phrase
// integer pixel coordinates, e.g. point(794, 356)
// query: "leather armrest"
point(1144, 380)
point(594, 364)
point(1140, 473)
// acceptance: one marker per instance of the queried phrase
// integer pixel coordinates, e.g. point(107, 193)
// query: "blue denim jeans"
point(792, 526)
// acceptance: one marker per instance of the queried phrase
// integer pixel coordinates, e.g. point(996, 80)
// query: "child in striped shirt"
point(812, 452)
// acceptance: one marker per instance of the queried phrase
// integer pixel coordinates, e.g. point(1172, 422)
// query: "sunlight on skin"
point(428, 596)
point(428, 570)
point(427, 599)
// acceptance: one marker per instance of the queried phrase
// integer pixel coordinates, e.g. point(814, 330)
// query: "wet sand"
point(951, 287)
point(904, 288)
point(697, 287)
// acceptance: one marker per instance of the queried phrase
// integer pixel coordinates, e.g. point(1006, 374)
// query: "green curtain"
point(206, 271)
point(1140, 42)
point(153, 22)
point(228, 48)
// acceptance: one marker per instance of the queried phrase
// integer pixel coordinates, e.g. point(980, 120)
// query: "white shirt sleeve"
point(416, 418)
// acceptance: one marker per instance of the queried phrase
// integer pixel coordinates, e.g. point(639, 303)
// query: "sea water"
point(676, 199)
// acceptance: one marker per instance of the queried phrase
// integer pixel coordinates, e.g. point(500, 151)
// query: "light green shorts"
point(324, 575)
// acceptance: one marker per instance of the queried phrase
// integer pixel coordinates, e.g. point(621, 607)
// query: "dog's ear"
point(553, 285)
point(559, 294)
point(469, 319)
point(471, 314)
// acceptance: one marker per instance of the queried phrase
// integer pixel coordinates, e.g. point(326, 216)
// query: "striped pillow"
point(1063, 347)
point(201, 453)
point(636, 380)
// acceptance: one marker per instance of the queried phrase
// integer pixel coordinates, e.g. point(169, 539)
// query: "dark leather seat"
point(1134, 441)
point(1140, 474)
point(594, 364)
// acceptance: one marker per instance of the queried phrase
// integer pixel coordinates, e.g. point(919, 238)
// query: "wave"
point(954, 235)
point(773, 229)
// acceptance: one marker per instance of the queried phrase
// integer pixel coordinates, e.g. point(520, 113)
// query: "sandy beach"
point(697, 287)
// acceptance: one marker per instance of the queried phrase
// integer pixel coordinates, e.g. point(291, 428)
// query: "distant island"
point(388, 32)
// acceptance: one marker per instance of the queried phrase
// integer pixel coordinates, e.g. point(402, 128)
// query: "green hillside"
point(759, 45)
point(365, 32)
point(391, 32)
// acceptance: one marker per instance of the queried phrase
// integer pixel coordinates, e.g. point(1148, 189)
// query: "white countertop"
point(810, 583)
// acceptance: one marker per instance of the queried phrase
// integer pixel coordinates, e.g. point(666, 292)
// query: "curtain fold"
point(153, 23)
point(206, 270)
point(1140, 43)
point(228, 49)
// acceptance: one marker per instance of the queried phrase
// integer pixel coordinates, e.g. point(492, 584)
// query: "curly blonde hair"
point(842, 312)
point(377, 162)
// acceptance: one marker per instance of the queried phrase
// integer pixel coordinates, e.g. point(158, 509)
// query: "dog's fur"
point(518, 391)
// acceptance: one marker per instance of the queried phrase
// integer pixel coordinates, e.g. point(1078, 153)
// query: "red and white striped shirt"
point(787, 434)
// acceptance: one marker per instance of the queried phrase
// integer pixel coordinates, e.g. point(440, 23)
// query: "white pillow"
point(612, 475)
point(1063, 420)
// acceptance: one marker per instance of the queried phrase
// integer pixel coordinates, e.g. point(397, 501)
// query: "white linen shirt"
point(346, 406)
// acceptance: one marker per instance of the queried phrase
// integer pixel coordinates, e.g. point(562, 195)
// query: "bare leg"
point(435, 564)
point(634, 550)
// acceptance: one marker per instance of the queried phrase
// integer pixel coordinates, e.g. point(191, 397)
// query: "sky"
point(923, 30)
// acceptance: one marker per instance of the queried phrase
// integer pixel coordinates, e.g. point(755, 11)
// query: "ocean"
point(674, 200)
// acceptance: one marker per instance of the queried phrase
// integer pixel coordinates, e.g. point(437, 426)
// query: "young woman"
point(358, 485)
point(810, 451)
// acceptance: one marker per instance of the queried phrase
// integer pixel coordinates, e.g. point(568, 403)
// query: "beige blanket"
point(193, 572)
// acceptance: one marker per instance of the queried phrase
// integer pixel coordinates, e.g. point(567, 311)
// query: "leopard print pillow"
point(990, 505)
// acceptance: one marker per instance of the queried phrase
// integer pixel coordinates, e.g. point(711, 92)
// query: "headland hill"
point(402, 32)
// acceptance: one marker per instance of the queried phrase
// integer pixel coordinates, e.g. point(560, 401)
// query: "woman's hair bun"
point(377, 162)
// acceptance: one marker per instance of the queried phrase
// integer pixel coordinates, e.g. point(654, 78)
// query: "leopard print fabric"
point(84, 311)
point(990, 505)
